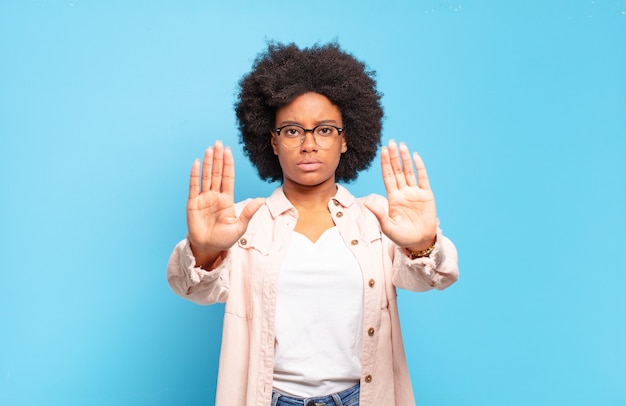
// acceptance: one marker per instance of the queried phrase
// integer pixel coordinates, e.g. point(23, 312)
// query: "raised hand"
point(212, 221)
point(410, 220)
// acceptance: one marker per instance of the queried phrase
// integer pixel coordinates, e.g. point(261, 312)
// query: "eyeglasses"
point(293, 135)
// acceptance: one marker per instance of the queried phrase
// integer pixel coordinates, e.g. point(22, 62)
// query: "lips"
point(309, 164)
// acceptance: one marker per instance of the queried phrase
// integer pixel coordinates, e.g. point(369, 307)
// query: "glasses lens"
point(292, 135)
point(326, 135)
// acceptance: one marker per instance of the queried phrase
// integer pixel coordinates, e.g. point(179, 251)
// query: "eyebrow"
point(321, 122)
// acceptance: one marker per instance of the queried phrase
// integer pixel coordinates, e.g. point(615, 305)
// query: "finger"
point(228, 177)
point(422, 175)
point(396, 165)
point(207, 162)
point(218, 166)
point(409, 175)
point(194, 180)
point(379, 208)
point(389, 178)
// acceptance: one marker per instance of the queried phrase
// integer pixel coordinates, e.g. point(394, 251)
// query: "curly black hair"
point(283, 72)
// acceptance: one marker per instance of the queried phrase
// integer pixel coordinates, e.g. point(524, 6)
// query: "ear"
point(344, 144)
point(274, 140)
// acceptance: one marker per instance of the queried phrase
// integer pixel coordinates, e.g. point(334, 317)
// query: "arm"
point(438, 270)
point(194, 283)
point(198, 267)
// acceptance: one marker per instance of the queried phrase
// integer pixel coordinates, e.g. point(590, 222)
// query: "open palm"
point(410, 220)
point(212, 222)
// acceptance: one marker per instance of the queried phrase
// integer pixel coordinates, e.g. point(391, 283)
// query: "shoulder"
point(276, 198)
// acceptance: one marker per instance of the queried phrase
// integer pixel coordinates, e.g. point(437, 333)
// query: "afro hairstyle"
point(283, 72)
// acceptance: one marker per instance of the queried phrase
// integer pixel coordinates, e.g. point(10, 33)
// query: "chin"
point(310, 181)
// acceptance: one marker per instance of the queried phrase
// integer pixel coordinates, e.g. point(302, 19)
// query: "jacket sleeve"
point(194, 283)
point(436, 271)
point(197, 284)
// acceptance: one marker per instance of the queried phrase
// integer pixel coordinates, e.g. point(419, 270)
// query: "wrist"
point(205, 259)
point(422, 250)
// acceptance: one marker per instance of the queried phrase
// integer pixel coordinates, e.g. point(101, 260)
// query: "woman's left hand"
point(411, 220)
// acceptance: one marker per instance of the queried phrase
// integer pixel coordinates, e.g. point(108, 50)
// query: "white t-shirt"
point(319, 317)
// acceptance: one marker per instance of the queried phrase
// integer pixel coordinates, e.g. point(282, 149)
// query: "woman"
point(309, 274)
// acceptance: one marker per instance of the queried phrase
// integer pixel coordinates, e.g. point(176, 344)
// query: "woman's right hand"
point(212, 222)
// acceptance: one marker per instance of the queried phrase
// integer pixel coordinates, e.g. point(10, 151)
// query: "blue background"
point(518, 109)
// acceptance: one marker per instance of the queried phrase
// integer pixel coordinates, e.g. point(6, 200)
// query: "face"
point(309, 164)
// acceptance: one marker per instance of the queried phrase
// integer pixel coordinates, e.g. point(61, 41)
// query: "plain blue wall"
point(518, 108)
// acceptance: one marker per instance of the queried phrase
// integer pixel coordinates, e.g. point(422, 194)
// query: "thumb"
point(378, 206)
point(250, 209)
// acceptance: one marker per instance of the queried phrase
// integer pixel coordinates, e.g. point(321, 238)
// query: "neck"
point(310, 197)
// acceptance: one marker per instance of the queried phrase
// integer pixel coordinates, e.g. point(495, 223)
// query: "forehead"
point(309, 108)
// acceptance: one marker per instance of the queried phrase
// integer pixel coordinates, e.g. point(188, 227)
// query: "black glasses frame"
point(309, 130)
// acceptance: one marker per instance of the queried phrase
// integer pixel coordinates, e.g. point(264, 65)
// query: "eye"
point(291, 131)
point(325, 130)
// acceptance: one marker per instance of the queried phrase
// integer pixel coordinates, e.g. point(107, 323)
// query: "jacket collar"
point(344, 197)
point(278, 203)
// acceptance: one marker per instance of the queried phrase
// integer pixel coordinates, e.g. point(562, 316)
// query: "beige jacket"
point(247, 281)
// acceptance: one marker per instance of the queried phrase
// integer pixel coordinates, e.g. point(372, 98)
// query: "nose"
point(309, 143)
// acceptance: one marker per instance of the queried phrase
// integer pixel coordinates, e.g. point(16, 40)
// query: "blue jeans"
point(348, 397)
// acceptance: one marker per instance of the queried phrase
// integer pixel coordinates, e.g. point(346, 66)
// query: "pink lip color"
point(309, 165)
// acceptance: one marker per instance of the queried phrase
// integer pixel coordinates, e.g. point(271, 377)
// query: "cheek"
point(285, 158)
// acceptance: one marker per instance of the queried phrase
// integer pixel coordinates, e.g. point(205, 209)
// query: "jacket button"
point(354, 242)
point(336, 202)
point(371, 331)
point(339, 214)
point(368, 378)
point(371, 282)
point(243, 241)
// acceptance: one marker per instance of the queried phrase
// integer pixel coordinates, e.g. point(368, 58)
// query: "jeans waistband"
point(335, 399)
